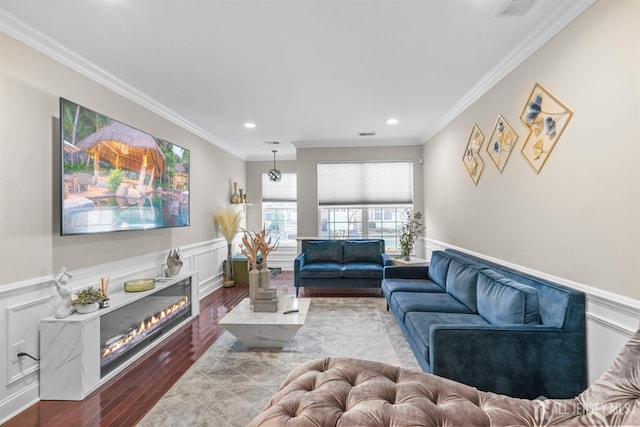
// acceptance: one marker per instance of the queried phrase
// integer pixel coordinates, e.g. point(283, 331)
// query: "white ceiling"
point(306, 72)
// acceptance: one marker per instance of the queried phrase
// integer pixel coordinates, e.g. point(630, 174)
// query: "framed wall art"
point(546, 117)
point(501, 143)
point(471, 157)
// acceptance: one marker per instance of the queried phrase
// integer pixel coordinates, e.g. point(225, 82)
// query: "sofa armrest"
point(524, 361)
point(406, 272)
point(298, 263)
point(385, 259)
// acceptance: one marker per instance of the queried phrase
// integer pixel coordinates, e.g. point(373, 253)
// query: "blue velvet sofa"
point(490, 326)
point(340, 263)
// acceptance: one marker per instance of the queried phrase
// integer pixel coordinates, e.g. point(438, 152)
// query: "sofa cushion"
point(362, 270)
point(461, 283)
point(504, 301)
point(419, 326)
point(362, 251)
point(438, 267)
point(403, 303)
point(410, 285)
point(321, 270)
point(323, 251)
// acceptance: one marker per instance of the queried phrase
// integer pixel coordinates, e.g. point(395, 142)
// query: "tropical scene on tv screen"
point(116, 177)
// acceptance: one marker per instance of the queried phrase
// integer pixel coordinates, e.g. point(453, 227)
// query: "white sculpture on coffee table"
point(63, 284)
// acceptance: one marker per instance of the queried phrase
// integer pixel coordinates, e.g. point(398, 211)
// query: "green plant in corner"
point(410, 232)
point(88, 296)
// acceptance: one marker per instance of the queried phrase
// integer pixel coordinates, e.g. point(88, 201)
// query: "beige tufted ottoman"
point(354, 392)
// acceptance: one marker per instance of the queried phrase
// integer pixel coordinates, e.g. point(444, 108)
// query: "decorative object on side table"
point(139, 285)
point(228, 220)
point(259, 280)
point(410, 232)
point(501, 143)
point(546, 118)
point(104, 286)
point(235, 196)
point(174, 263)
point(63, 284)
point(87, 300)
point(471, 157)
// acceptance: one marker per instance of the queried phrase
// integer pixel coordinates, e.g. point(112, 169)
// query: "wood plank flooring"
point(126, 399)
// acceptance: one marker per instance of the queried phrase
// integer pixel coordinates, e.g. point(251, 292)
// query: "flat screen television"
point(116, 177)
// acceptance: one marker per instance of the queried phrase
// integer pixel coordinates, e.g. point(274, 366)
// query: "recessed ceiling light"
point(392, 121)
point(249, 125)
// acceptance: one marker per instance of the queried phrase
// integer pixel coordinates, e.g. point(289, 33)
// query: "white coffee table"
point(265, 330)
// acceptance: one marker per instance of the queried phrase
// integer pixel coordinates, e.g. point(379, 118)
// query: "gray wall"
point(308, 158)
point(579, 219)
point(31, 246)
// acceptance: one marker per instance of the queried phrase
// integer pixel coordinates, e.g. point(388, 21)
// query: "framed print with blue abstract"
point(471, 157)
point(503, 139)
point(546, 117)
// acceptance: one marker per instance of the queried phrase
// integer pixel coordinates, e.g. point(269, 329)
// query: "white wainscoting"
point(24, 303)
point(611, 318)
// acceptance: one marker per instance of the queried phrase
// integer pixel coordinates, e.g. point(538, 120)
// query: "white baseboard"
point(611, 318)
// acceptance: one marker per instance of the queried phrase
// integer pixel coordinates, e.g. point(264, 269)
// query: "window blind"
point(365, 183)
point(283, 191)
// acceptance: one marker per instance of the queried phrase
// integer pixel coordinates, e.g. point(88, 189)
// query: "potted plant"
point(87, 300)
point(228, 219)
point(410, 232)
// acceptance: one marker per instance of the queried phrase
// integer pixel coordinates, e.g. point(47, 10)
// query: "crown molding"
point(566, 13)
point(364, 142)
point(33, 38)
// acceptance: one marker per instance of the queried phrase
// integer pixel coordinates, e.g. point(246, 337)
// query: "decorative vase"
point(254, 284)
point(228, 269)
point(87, 308)
point(406, 253)
point(235, 197)
point(264, 277)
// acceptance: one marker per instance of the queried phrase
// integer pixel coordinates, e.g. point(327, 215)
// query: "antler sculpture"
point(252, 243)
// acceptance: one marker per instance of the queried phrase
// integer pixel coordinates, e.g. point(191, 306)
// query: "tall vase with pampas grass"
point(228, 220)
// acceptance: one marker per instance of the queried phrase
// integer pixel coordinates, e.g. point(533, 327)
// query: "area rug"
point(229, 384)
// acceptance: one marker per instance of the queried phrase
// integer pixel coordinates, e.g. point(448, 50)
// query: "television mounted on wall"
point(116, 177)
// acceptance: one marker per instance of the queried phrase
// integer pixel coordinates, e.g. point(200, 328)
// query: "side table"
point(413, 261)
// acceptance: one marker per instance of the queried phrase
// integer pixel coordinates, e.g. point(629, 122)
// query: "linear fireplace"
point(83, 351)
point(129, 329)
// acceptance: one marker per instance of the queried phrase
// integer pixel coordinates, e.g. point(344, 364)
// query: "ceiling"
point(308, 73)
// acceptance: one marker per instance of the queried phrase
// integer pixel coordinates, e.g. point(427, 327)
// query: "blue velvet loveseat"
point(340, 263)
point(490, 326)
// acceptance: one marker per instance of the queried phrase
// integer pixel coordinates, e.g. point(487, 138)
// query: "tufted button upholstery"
point(352, 392)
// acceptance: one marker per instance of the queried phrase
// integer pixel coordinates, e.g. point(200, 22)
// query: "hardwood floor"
point(125, 399)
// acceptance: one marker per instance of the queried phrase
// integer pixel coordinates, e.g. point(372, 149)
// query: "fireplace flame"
point(146, 326)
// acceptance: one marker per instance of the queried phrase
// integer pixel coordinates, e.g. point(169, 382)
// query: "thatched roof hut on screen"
point(125, 147)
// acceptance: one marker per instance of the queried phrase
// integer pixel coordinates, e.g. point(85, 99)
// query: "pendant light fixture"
point(274, 174)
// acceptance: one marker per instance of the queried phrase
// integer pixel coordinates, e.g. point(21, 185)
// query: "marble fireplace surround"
point(70, 364)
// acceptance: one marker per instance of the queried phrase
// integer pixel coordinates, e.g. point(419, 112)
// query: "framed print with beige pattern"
point(546, 117)
point(501, 143)
point(471, 157)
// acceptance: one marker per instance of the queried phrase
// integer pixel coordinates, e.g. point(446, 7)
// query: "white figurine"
point(63, 284)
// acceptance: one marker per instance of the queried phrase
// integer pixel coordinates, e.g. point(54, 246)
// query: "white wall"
point(579, 219)
point(31, 248)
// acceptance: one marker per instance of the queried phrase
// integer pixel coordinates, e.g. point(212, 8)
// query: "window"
point(365, 200)
point(280, 209)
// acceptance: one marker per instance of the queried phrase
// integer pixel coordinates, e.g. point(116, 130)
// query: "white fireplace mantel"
point(70, 347)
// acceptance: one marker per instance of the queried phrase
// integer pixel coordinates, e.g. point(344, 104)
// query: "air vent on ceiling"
point(516, 7)
point(272, 142)
point(366, 133)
